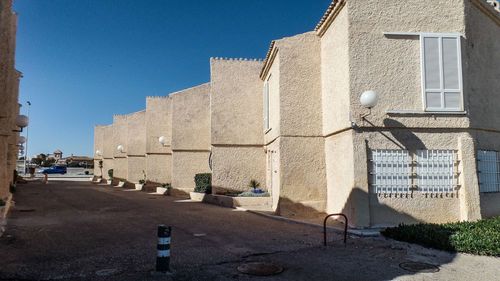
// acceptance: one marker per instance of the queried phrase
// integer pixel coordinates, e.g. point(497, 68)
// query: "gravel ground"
point(82, 231)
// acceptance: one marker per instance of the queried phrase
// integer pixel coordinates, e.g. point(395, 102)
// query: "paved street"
point(82, 231)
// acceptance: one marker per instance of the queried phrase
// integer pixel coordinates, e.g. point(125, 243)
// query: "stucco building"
point(9, 92)
point(427, 152)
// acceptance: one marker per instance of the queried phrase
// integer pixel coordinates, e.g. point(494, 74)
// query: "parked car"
point(55, 170)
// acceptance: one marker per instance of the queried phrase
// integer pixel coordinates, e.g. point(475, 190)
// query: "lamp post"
point(27, 129)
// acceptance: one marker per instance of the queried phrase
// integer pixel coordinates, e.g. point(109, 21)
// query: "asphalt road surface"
point(82, 231)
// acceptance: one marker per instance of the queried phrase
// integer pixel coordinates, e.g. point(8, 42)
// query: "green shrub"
point(142, 181)
point(481, 237)
point(110, 173)
point(12, 188)
point(203, 183)
point(87, 172)
point(2, 203)
point(166, 185)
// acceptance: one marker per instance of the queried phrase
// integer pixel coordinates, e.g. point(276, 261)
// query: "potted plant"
point(255, 185)
point(100, 166)
point(110, 174)
point(142, 181)
point(165, 189)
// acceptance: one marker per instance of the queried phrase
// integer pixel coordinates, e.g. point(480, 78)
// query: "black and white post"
point(163, 258)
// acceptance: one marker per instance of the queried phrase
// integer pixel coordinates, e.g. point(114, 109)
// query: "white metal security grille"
point(488, 173)
point(436, 171)
point(391, 171)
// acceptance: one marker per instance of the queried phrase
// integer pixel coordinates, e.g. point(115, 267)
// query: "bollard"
point(163, 258)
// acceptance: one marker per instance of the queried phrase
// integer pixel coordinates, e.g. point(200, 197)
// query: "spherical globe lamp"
point(21, 139)
point(369, 99)
point(22, 121)
point(162, 140)
point(98, 152)
point(120, 148)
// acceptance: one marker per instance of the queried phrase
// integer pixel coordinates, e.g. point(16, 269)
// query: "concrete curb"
point(357, 232)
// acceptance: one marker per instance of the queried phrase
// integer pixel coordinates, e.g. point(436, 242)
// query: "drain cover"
point(260, 268)
point(419, 267)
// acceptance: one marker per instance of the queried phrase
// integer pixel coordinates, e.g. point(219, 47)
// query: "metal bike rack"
point(345, 227)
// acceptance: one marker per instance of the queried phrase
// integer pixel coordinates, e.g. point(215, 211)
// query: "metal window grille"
point(391, 171)
point(436, 171)
point(487, 169)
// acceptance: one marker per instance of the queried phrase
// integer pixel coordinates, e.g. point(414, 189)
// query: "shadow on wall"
point(405, 137)
point(361, 206)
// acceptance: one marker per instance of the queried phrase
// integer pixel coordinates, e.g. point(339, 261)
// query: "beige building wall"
point(297, 164)
point(136, 146)
point(9, 91)
point(120, 132)
point(190, 135)
point(158, 124)
point(98, 146)
point(482, 85)
point(108, 148)
point(356, 57)
point(237, 132)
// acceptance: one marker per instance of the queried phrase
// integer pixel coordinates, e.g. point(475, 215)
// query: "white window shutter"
point(266, 105)
point(441, 72)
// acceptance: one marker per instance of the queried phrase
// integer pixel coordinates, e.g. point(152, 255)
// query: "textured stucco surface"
point(236, 102)
point(355, 51)
point(464, 205)
point(303, 173)
point(335, 75)
point(234, 167)
point(481, 70)
point(108, 142)
point(158, 123)
point(136, 166)
point(120, 132)
point(9, 92)
point(185, 165)
point(236, 124)
point(339, 160)
point(300, 85)
point(106, 166)
point(191, 118)
point(159, 168)
point(298, 178)
point(390, 65)
point(414, 208)
point(136, 134)
point(120, 167)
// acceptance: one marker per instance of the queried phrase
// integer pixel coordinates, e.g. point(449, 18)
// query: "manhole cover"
point(419, 267)
point(260, 268)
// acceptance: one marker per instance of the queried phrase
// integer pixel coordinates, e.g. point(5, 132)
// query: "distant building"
point(58, 154)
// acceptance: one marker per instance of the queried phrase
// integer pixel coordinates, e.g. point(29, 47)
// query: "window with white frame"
point(266, 104)
point(436, 171)
point(488, 171)
point(390, 171)
point(431, 171)
point(441, 72)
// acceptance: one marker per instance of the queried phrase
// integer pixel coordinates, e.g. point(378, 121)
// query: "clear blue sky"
point(85, 60)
